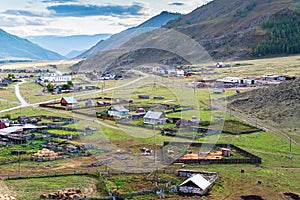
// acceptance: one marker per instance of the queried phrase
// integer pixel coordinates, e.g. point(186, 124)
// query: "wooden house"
point(117, 111)
point(69, 102)
point(153, 117)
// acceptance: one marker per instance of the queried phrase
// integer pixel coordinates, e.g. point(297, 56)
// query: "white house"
point(153, 117)
point(56, 76)
point(196, 184)
point(230, 80)
point(180, 73)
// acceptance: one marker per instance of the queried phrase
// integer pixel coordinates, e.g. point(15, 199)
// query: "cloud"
point(177, 4)
point(23, 13)
point(12, 21)
point(75, 10)
point(58, 1)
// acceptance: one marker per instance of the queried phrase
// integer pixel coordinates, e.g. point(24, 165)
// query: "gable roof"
point(198, 180)
point(71, 100)
point(119, 108)
point(154, 115)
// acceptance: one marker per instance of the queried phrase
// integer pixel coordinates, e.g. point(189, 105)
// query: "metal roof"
point(71, 100)
point(119, 108)
point(198, 180)
point(154, 115)
point(13, 129)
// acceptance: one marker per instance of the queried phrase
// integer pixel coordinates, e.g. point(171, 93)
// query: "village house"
point(153, 118)
point(68, 102)
point(56, 76)
point(180, 73)
point(117, 111)
point(196, 184)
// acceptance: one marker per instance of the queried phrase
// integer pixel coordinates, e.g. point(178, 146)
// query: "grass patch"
point(29, 189)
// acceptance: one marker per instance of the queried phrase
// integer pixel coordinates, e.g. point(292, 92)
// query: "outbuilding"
point(153, 117)
point(196, 184)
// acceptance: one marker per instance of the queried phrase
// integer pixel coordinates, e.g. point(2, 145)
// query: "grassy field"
point(281, 66)
point(8, 98)
point(29, 189)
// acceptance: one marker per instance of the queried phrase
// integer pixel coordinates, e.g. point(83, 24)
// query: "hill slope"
point(13, 47)
point(117, 40)
point(279, 103)
point(66, 44)
point(232, 29)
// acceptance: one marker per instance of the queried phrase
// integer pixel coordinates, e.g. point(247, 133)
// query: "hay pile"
point(6, 197)
point(70, 193)
point(46, 153)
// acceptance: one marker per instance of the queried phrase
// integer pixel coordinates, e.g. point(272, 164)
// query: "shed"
point(195, 120)
point(196, 184)
point(89, 103)
point(153, 117)
point(220, 65)
point(225, 152)
point(68, 101)
point(117, 111)
point(143, 96)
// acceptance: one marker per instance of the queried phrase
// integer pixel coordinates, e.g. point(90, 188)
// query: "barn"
point(196, 184)
point(69, 102)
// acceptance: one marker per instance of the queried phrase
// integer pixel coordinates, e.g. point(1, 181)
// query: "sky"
point(76, 17)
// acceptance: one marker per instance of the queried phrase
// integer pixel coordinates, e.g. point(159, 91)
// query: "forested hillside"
point(282, 34)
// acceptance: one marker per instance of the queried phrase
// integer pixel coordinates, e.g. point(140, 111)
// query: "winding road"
point(26, 104)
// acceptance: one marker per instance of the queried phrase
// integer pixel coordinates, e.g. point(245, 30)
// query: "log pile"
point(65, 194)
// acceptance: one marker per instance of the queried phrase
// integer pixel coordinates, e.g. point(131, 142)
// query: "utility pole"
point(291, 154)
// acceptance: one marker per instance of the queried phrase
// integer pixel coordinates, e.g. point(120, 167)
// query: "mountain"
point(235, 29)
point(74, 53)
point(66, 44)
point(13, 47)
point(117, 40)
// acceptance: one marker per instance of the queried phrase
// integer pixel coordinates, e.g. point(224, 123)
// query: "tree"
point(50, 87)
point(70, 83)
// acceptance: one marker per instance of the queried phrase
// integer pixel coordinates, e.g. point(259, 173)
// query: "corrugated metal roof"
point(198, 180)
point(119, 108)
point(71, 100)
point(153, 115)
point(13, 129)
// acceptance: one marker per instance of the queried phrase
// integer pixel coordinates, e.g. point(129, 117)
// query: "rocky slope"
point(279, 103)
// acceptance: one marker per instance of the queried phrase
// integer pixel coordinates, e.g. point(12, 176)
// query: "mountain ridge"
point(15, 47)
point(117, 40)
point(230, 29)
